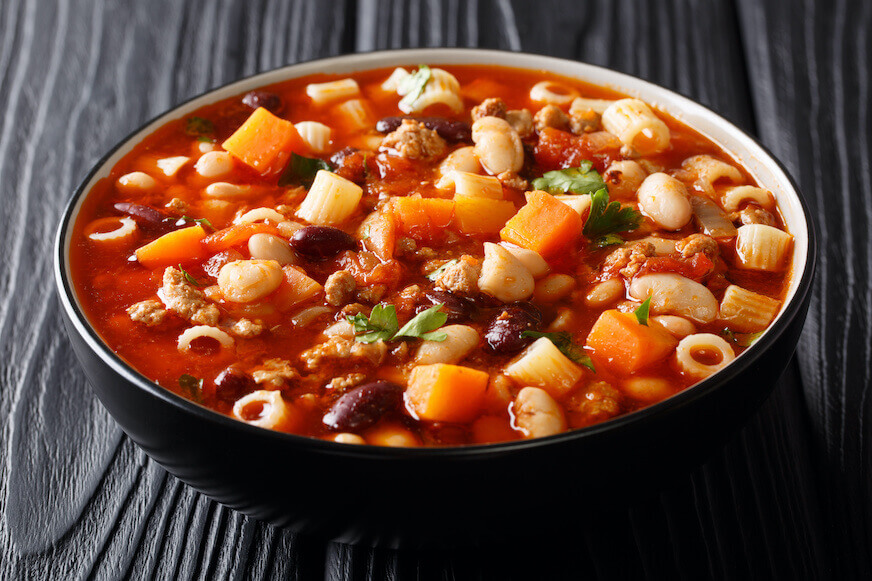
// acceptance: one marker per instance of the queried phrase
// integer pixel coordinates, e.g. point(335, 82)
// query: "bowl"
point(391, 496)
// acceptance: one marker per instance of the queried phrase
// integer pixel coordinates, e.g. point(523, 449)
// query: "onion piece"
point(711, 218)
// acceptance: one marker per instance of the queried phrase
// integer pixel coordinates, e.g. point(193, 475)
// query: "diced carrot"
point(296, 288)
point(265, 142)
point(381, 235)
point(236, 234)
point(544, 224)
point(477, 215)
point(624, 345)
point(491, 429)
point(173, 247)
point(422, 218)
point(446, 393)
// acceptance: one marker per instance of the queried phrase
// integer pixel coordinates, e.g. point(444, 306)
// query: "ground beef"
point(339, 288)
point(346, 381)
point(551, 116)
point(150, 313)
point(246, 328)
point(627, 260)
point(413, 140)
point(493, 107)
point(371, 294)
point(753, 215)
point(584, 121)
point(698, 243)
point(599, 402)
point(178, 205)
point(186, 300)
point(461, 277)
point(341, 348)
point(521, 121)
point(511, 179)
point(275, 373)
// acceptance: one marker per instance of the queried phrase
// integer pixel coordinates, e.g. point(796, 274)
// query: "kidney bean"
point(504, 334)
point(457, 308)
point(321, 242)
point(265, 99)
point(350, 163)
point(147, 217)
point(231, 384)
point(448, 129)
point(363, 406)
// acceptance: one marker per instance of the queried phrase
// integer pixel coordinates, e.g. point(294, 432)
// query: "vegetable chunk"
point(446, 393)
point(265, 142)
point(624, 345)
point(173, 247)
point(545, 225)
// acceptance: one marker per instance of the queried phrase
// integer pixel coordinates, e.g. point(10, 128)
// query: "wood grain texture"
point(788, 497)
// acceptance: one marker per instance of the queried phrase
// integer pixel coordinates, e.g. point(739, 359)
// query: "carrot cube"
point(265, 142)
point(446, 393)
point(173, 247)
point(476, 215)
point(544, 224)
point(624, 345)
point(422, 218)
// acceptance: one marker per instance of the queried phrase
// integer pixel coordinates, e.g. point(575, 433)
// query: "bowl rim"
point(382, 58)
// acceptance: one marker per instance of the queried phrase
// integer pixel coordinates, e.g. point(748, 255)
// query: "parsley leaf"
point(301, 170)
point(607, 240)
point(642, 312)
point(563, 341)
point(188, 276)
point(381, 325)
point(608, 218)
point(575, 180)
point(200, 128)
point(200, 221)
point(424, 325)
point(412, 86)
point(741, 339)
point(191, 387)
point(434, 276)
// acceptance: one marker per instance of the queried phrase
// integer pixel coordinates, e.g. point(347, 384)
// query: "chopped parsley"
point(575, 180)
point(191, 386)
point(188, 276)
point(382, 325)
point(642, 312)
point(606, 218)
point(434, 276)
point(741, 339)
point(301, 170)
point(607, 240)
point(200, 221)
point(202, 129)
point(412, 86)
point(563, 341)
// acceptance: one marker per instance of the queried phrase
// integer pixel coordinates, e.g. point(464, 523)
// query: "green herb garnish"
point(301, 170)
point(741, 339)
point(434, 276)
point(412, 86)
point(563, 341)
point(607, 240)
point(191, 386)
point(382, 325)
point(201, 128)
point(642, 312)
point(608, 218)
point(575, 180)
point(200, 221)
point(188, 276)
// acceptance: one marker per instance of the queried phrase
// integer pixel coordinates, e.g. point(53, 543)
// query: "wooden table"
point(788, 497)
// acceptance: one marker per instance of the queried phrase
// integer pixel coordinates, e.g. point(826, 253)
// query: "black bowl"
point(391, 496)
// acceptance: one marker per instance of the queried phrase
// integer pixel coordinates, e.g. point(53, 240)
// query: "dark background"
point(789, 496)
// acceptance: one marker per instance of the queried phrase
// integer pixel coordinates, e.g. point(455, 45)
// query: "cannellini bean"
point(393, 435)
point(287, 228)
point(661, 245)
point(678, 327)
point(136, 181)
point(647, 389)
point(503, 276)
point(664, 199)
point(497, 145)
point(348, 438)
point(624, 177)
point(537, 414)
point(206, 147)
point(214, 164)
point(553, 287)
point(529, 258)
point(189, 335)
point(243, 281)
point(460, 341)
point(226, 191)
point(260, 214)
point(462, 159)
point(269, 247)
point(604, 293)
point(673, 294)
point(702, 354)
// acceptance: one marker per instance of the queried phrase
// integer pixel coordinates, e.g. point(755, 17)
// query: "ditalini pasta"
point(429, 256)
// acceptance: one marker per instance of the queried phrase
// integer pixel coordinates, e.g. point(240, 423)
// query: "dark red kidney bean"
point(504, 334)
point(265, 99)
point(447, 129)
point(363, 406)
point(457, 308)
point(147, 217)
point(350, 163)
point(321, 242)
point(232, 383)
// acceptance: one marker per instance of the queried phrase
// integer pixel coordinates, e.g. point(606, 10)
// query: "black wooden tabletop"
point(790, 496)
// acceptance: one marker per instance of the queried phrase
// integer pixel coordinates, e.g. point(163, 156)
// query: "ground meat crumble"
point(186, 300)
point(413, 140)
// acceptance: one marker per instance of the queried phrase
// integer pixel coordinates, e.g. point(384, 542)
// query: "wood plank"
point(811, 65)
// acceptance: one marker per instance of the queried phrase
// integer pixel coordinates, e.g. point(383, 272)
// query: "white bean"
point(497, 145)
point(702, 354)
point(673, 294)
point(553, 287)
point(213, 164)
point(664, 199)
point(503, 276)
point(136, 181)
point(243, 281)
point(604, 293)
point(226, 191)
point(537, 414)
point(678, 327)
point(529, 258)
point(348, 438)
point(624, 177)
point(270, 247)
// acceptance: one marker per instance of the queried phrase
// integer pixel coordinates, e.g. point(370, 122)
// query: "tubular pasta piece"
point(746, 311)
point(633, 122)
point(192, 333)
point(734, 197)
point(126, 228)
point(761, 247)
point(552, 93)
point(260, 214)
point(441, 88)
point(357, 113)
point(322, 93)
point(262, 408)
point(316, 135)
point(690, 347)
point(392, 82)
point(330, 200)
point(710, 169)
point(581, 104)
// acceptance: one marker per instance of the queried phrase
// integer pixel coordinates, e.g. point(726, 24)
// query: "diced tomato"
point(558, 149)
point(695, 267)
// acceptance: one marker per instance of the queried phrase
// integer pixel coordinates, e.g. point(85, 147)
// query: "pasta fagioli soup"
point(430, 256)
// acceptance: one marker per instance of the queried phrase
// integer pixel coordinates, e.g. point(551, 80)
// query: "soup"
point(429, 257)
